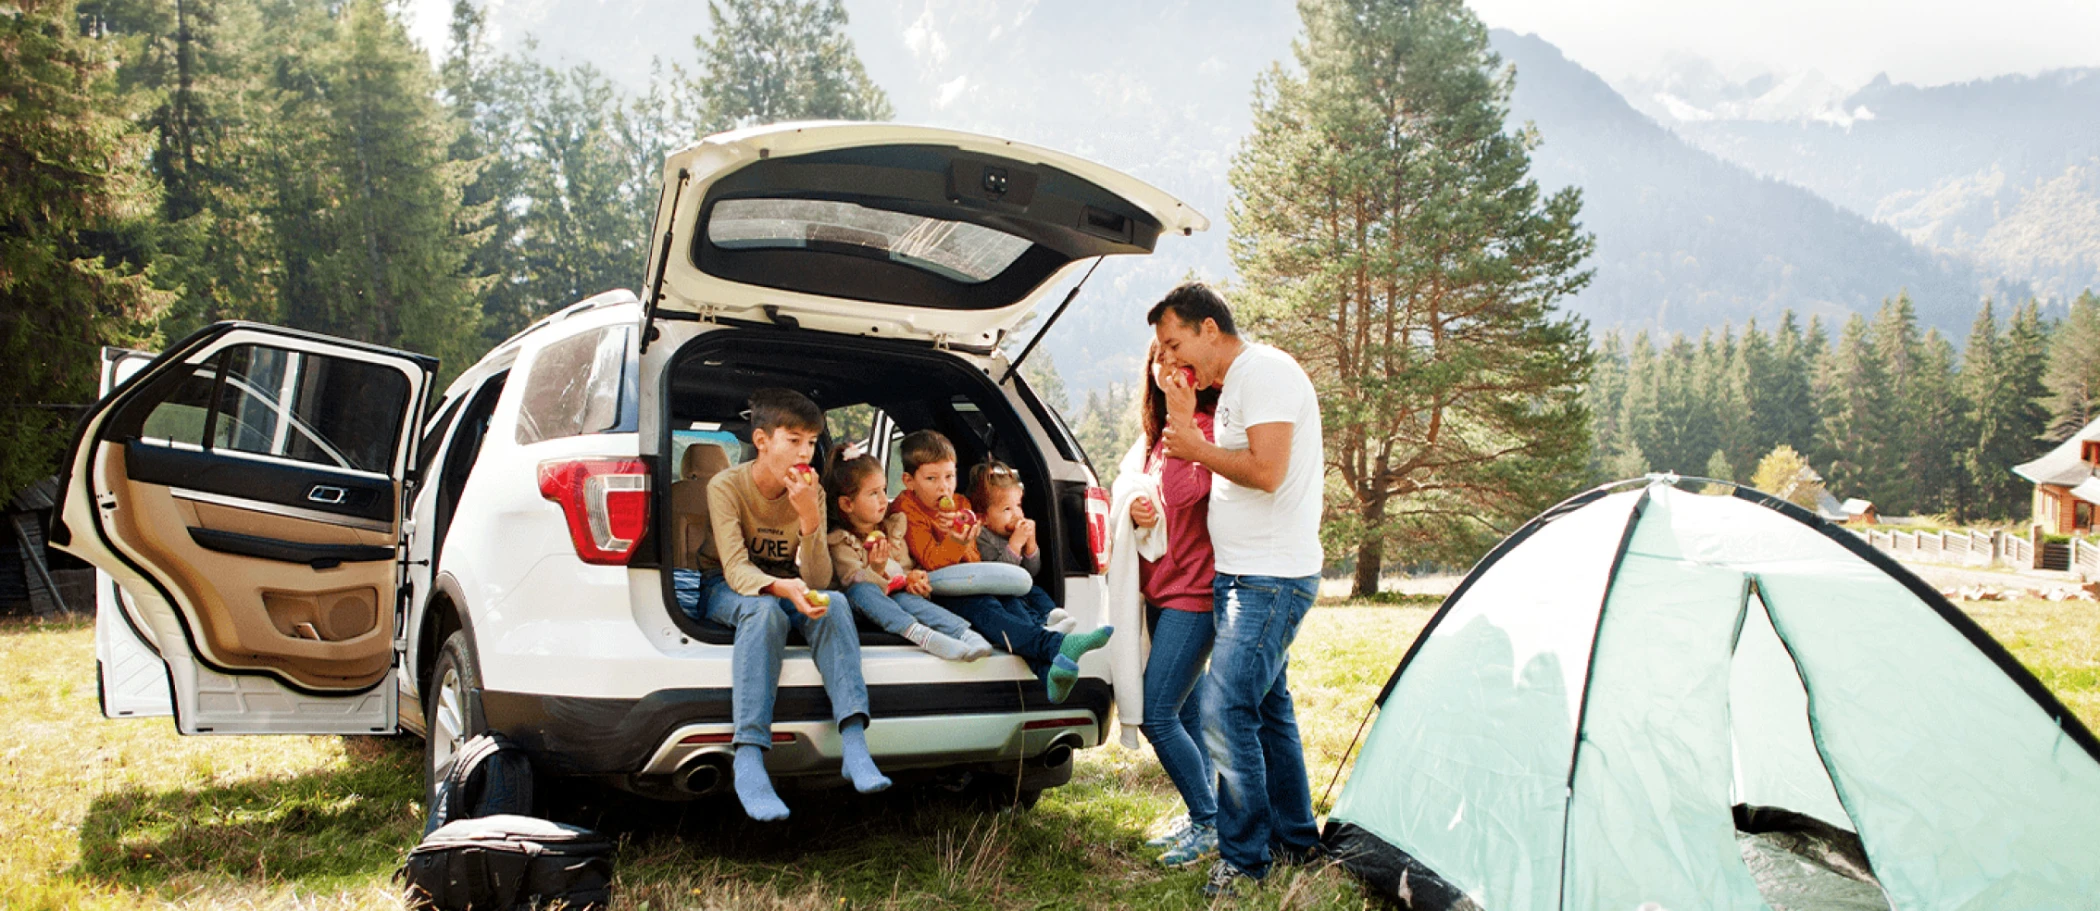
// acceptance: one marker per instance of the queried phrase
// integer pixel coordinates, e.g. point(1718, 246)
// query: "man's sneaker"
point(1226, 881)
point(1177, 830)
point(1201, 842)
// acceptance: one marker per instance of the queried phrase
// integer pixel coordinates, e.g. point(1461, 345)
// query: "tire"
point(451, 708)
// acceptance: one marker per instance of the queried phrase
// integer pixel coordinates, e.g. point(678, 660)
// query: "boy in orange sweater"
point(941, 531)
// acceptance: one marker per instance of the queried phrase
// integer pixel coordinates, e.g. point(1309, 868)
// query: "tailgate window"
point(957, 251)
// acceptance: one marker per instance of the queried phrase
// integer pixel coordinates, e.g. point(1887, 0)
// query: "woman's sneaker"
point(1201, 842)
point(1177, 830)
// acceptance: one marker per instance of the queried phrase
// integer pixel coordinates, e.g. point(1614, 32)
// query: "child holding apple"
point(941, 531)
point(770, 564)
point(864, 546)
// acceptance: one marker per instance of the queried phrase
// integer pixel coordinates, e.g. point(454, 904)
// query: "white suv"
point(297, 559)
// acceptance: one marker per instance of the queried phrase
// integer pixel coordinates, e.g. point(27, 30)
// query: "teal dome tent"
point(1653, 699)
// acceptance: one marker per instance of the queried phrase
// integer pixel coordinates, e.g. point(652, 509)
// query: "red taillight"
point(1041, 724)
point(1097, 526)
point(606, 502)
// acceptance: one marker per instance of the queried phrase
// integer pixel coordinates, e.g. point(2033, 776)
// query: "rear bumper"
point(912, 725)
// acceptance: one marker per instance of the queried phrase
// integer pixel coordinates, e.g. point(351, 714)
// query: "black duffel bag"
point(508, 863)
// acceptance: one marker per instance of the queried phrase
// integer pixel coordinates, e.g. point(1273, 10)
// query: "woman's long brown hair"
point(1154, 402)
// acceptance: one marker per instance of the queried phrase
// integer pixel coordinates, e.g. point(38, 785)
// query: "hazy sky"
point(1922, 41)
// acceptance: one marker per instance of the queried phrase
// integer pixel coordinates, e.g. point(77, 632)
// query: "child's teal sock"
point(754, 788)
point(859, 766)
point(1064, 672)
point(1077, 644)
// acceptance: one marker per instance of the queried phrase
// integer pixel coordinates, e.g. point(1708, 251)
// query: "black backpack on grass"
point(508, 863)
point(483, 851)
point(488, 776)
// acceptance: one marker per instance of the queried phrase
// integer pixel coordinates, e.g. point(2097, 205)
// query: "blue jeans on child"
point(896, 613)
point(762, 623)
point(1173, 720)
point(1013, 624)
point(1264, 798)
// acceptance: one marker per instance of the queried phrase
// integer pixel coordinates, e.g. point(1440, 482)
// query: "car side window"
point(574, 387)
point(329, 411)
point(179, 419)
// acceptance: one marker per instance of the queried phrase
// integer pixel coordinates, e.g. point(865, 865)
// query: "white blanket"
point(1126, 604)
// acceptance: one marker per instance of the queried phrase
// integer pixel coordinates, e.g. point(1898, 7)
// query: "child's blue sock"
point(754, 788)
point(860, 767)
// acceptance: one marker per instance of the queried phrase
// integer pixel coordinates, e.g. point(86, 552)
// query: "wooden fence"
point(1979, 548)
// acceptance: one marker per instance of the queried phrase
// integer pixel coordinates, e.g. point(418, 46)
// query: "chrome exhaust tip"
point(1059, 753)
point(703, 775)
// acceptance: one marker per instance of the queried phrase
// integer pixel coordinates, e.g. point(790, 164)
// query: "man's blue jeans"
point(1264, 798)
point(1173, 720)
point(762, 623)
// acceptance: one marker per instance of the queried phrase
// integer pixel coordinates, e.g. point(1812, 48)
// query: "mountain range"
point(1715, 199)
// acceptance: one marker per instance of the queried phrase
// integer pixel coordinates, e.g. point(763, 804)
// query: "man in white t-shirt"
point(1267, 476)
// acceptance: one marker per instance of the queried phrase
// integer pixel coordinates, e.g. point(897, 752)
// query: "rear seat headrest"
point(703, 461)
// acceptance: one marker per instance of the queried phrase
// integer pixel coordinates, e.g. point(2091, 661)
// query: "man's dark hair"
point(771, 408)
point(1192, 303)
point(924, 447)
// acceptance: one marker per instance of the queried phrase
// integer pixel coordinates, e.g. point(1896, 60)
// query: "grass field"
point(119, 814)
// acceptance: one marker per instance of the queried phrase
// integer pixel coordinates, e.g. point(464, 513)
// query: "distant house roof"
point(1857, 507)
point(2064, 466)
point(1828, 508)
point(2087, 490)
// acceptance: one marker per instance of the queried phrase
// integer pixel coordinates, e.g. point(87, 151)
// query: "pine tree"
point(2073, 375)
point(2002, 419)
point(74, 197)
point(369, 205)
point(196, 71)
point(1388, 235)
point(1637, 413)
point(580, 231)
point(1855, 438)
point(1786, 403)
point(1901, 468)
point(1602, 398)
point(1935, 440)
point(765, 61)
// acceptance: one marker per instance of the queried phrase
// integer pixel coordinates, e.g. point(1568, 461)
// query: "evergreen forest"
point(165, 164)
point(1882, 411)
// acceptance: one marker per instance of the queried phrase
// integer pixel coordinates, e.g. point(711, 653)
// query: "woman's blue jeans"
point(1173, 718)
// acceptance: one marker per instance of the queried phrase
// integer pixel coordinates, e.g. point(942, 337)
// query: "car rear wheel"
point(452, 708)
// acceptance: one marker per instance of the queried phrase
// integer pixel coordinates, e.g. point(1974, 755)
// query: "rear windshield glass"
point(955, 250)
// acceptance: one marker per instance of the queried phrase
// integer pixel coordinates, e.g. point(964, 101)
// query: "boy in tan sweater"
point(770, 561)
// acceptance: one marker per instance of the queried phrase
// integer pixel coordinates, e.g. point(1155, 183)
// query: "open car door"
point(244, 490)
point(130, 679)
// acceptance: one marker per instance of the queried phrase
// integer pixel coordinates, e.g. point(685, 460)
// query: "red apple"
point(897, 584)
point(1189, 373)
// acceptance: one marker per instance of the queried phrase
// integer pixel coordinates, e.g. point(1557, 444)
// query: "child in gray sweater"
point(1005, 534)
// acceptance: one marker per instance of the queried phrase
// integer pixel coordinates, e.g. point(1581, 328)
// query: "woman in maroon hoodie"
point(1178, 600)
